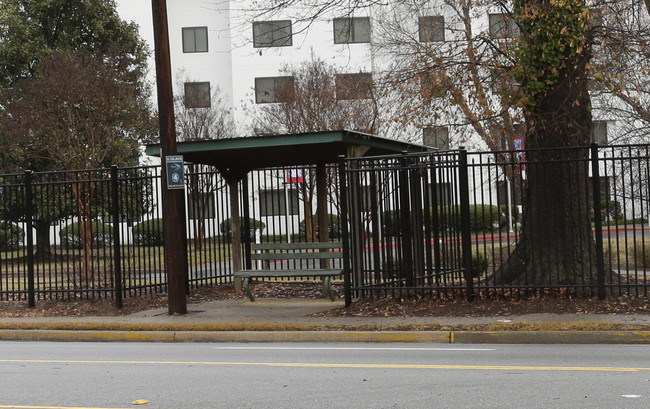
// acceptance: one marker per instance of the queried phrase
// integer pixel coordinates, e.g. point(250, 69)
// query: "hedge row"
point(482, 218)
point(101, 235)
point(11, 236)
point(150, 232)
point(333, 226)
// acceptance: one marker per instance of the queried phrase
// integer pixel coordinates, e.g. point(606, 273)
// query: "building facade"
point(244, 54)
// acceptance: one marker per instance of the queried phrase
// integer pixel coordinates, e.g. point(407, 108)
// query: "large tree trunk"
point(556, 245)
point(43, 244)
point(84, 200)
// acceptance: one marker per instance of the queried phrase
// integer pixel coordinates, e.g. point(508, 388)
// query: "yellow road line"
point(341, 365)
point(49, 407)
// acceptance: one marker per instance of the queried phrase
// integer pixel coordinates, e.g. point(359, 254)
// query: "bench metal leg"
point(327, 288)
point(247, 289)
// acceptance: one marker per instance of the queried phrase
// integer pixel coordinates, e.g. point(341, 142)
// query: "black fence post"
point(405, 221)
point(374, 219)
point(29, 225)
point(466, 233)
point(343, 197)
point(248, 263)
point(598, 224)
point(117, 255)
point(435, 223)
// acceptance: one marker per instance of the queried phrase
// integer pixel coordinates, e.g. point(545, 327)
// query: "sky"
point(140, 12)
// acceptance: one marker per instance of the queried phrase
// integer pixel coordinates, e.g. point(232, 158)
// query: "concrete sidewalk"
point(292, 320)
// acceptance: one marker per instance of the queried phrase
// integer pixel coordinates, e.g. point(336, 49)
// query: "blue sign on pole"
point(175, 178)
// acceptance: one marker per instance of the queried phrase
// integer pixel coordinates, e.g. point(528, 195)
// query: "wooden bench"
point(290, 254)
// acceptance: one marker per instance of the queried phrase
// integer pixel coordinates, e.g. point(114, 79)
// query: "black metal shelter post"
point(233, 178)
point(247, 225)
point(464, 222)
point(405, 221)
point(343, 194)
point(598, 223)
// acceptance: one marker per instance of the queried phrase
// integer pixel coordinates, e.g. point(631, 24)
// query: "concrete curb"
point(439, 337)
point(226, 336)
point(86, 336)
point(550, 337)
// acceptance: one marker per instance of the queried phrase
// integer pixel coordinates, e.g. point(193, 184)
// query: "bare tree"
point(79, 112)
point(620, 68)
point(201, 114)
point(465, 80)
point(316, 97)
point(446, 69)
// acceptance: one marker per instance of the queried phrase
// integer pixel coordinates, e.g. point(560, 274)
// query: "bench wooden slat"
point(288, 273)
point(295, 256)
point(296, 246)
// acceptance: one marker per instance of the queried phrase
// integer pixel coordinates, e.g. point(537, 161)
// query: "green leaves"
point(554, 35)
point(72, 85)
point(31, 29)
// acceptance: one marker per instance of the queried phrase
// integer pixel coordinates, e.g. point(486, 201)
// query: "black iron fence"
point(99, 233)
point(79, 234)
point(459, 224)
point(445, 224)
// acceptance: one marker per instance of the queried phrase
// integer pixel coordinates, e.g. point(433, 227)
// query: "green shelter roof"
point(259, 152)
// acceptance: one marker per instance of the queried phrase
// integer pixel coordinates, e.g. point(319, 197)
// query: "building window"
point(274, 202)
point(195, 39)
point(599, 132)
point(197, 95)
point(273, 89)
point(436, 137)
point(353, 86)
point(503, 26)
point(272, 34)
point(431, 28)
point(351, 30)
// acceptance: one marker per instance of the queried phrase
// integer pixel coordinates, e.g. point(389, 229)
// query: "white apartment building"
point(220, 44)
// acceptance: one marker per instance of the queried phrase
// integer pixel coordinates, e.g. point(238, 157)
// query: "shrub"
point(609, 210)
point(333, 226)
point(514, 213)
point(226, 229)
point(149, 233)
point(11, 236)
point(101, 235)
point(482, 218)
point(479, 264)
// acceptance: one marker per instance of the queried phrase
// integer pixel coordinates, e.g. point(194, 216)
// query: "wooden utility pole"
point(172, 199)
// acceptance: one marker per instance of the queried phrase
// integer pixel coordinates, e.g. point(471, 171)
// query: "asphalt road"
point(174, 376)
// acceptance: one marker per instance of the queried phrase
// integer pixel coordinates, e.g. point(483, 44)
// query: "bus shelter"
point(234, 158)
